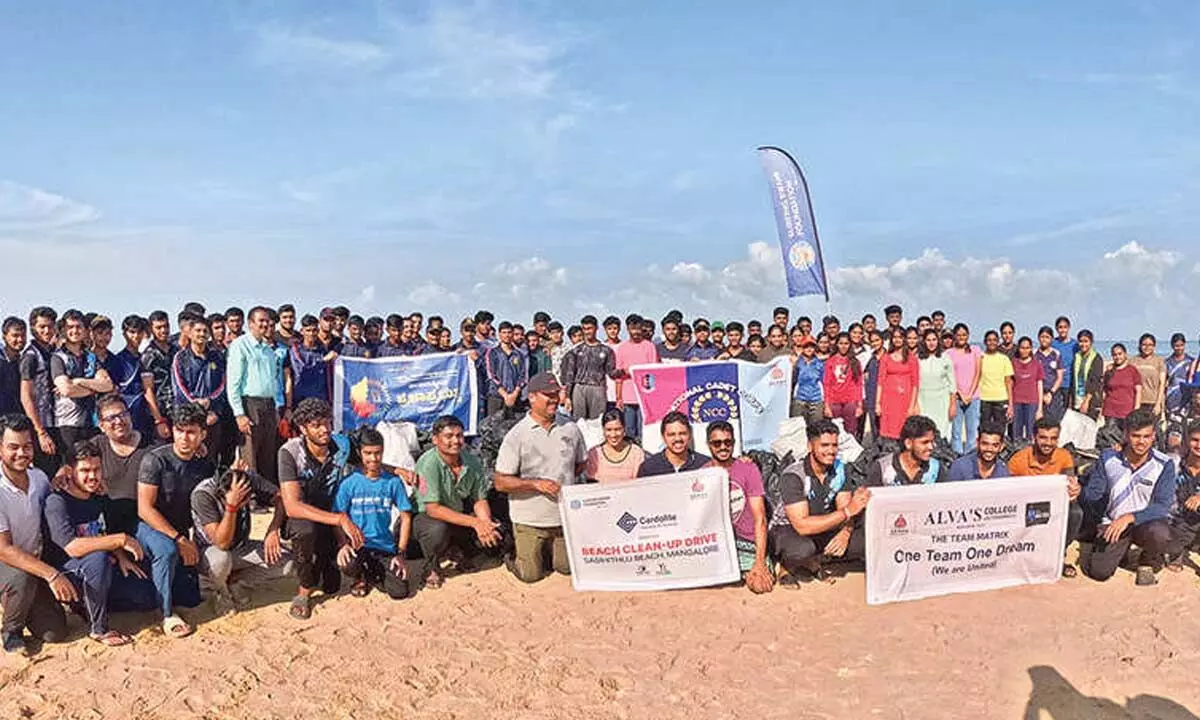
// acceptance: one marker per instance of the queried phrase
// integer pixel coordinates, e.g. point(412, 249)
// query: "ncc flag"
point(798, 240)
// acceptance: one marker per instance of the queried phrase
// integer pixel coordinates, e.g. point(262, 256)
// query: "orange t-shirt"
point(1024, 463)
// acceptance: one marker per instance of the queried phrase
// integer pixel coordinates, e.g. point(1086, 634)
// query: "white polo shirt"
point(530, 451)
point(21, 512)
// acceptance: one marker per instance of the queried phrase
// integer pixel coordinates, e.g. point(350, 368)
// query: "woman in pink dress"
point(899, 375)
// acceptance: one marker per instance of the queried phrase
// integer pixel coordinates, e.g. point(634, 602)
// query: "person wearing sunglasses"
point(747, 508)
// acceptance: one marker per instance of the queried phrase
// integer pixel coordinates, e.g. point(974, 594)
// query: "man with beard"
point(286, 333)
point(672, 348)
point(1045, 457)
point(453, 514)
point(30, 589)
point(166, 479)
point(540, 454)
point(747, 508)
point(1132, 490)
point(310, 467)
point(586, 369)
point(983, 461)
point(915, 463)
point(813, 522)
point(156, 373)
point(84, 547)
point(235, 320)
point(677, 455)
point(37, 390)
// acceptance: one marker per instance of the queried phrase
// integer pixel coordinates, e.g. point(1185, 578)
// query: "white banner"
point(928, 540)
point(659, 533)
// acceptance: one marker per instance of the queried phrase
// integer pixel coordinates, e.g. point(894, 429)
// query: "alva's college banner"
point(414, 389)
point(928, 540)
point(658, 533)
point(754, 398)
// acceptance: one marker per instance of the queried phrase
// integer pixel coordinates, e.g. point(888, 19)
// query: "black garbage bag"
point(943, 452)
point(1108, 436)
point(491, 434)
point(856, 472)
point(771, 467)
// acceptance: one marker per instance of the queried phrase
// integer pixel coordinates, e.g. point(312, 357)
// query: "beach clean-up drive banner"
point(659, 533)
point(416, 389)
point(754, 398)
point(927, 540)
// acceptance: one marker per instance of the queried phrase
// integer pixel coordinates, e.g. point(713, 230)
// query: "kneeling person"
point(1133, 491)
point(1045, 457)
point(229, 559)
point(373, 499)
point(913, 465)
point(814, 521)
point(80, 546)
point(447, 479)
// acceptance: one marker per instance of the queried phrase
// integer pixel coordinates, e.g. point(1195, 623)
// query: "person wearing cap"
point(540, 454)
point(703, 348)
point(808, 398)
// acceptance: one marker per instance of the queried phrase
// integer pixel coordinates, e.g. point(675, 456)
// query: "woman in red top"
point(843, 384)
point(899, 376)
point(1122, 387)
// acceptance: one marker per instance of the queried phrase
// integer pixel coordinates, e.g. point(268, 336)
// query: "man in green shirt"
point(451, 501)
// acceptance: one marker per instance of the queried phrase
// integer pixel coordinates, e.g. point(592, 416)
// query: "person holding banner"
point(677, 454)
point(1045, 457)
point(982, 463)
point(637, 350)
point(540, 454)
point(1134, 490)
point(915, 464)
point(745, 492)
point(813, 521)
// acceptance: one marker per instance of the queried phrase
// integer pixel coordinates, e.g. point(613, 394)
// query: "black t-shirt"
point(658, 464)
point(175, 479)
point(887, 470)
point(318, 481)
point(208, 506)
point(68, 518)
point(121, 473)
point(10, 384)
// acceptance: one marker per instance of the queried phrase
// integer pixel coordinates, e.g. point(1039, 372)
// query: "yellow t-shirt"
point(994, 368)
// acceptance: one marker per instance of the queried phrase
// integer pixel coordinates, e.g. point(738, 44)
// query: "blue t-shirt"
point(1066, 354)
point(809, 380)
point(373, 505)
point(967, 468)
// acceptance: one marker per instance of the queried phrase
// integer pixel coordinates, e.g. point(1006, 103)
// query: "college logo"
point(697, 486)
point(1037, 513)
point(627, 522)
point(897, 524)
point(776, 373)
point(802, 256)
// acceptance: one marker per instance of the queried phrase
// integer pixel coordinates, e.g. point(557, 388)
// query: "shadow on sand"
point(1054, 697)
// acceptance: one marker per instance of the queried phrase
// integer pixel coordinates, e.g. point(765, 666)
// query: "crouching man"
point(230, 561)
point(1132, 491)
point(814, 520)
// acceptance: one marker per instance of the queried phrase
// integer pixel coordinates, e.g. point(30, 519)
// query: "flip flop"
point(359, 589)
point(301, 608)
point(174, 626)
point(1069, 571)
point(112, 638)
point(433, 580)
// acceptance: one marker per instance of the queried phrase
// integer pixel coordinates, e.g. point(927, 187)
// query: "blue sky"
point(997, 160)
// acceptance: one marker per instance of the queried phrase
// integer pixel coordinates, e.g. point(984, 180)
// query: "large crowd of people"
point(128, 479)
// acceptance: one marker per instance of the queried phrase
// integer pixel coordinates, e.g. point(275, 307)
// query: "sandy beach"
point(486, 646)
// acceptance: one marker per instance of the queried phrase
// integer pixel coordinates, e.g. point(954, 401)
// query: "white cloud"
point(431, 294)
point(25, 207)
point(306, 51)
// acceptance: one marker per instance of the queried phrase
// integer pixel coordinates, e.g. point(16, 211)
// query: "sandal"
point(433, 581)
point(1069, 571)
point(112, 638)
point(359, 589)
point(1175, 566)
point(174, 626)
point(301, 608)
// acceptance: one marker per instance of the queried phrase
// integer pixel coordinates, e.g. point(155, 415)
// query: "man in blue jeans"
point(166, 479)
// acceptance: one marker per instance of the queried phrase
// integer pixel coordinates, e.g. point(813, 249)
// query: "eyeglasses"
point(721, 443)
point(110, 419)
